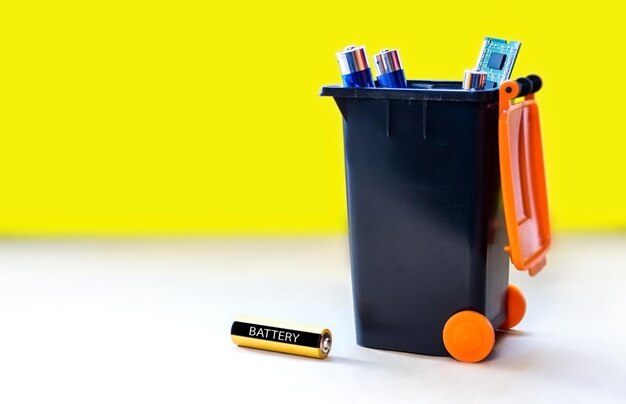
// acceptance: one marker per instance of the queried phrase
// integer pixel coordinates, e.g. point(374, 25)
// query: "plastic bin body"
point(427, 231)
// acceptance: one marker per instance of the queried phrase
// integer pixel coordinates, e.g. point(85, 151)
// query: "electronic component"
point(497, 58)
point(496, 61)
point(474, 80)
point(389, 70)
point(355, 71)
point(314, 342)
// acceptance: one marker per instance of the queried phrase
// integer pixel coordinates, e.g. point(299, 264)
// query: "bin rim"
point(422, 90)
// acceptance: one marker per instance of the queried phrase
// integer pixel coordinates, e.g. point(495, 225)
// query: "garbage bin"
point(428, 235)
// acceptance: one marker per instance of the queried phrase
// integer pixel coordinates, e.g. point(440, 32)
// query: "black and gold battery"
point(314, 342)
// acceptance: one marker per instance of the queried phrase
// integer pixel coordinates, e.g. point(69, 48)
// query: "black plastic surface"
point(528, 85)
point(427, 233)
point(536, 82)
point(525, 86)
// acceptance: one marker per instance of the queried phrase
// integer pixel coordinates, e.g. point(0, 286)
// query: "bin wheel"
point(468, 336)
point(516, 307)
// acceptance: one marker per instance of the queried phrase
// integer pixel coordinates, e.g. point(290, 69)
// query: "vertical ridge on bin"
point(424, 109)
point(387, 118)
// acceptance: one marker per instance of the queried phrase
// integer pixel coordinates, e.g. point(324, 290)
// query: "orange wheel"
point(516, 307)
point(468, 336)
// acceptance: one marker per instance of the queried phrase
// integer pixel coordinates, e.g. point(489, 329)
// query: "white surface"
point(148, 322)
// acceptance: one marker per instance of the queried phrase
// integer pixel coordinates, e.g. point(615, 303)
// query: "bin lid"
point(523, 180)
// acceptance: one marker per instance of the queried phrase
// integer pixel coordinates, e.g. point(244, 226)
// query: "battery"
point(389, 70)
point(355, 72)
point(474, 80)
point(314, 342)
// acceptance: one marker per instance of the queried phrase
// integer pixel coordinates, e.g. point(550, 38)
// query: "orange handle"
point(523, 176)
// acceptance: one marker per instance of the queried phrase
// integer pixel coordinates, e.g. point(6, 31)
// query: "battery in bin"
point(355, 70)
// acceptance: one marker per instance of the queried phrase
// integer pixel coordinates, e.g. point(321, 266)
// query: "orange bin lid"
point(523, 178)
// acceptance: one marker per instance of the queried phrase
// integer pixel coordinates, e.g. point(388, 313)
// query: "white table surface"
point(147, 321)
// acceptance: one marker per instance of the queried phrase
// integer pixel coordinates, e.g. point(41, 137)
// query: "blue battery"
point(355, 71)
point(389, 70)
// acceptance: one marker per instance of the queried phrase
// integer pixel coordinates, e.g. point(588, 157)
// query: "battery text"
point(276, 335)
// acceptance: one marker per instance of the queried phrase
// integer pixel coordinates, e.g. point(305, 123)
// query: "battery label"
point(268, 333)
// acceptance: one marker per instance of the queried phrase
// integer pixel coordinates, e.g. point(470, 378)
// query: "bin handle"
point(525, 85)
point(522, 174)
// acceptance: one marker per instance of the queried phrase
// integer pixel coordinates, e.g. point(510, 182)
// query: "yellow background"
point(139, 117)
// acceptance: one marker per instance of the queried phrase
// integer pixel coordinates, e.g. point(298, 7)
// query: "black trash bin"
point(427, 227)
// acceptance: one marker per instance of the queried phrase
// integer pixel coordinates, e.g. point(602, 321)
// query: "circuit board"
point(497, 58)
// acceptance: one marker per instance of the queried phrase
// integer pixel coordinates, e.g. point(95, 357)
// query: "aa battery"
point(389, 70)
point(355, 71)
point(474, 80)
point(314, 342)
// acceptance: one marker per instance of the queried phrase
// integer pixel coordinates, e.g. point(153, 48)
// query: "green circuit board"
point(497, 58)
